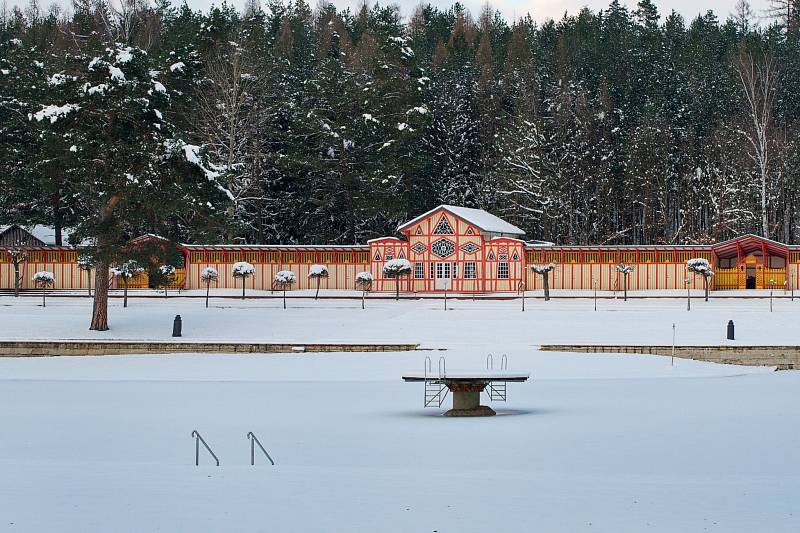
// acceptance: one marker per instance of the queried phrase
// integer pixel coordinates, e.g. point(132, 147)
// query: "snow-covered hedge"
point(209, 274)
point(167, 270)
point(44, 278)
point(543, 269)
point(396, 267)
point(243, 269)
point(700, 266)
point(318, 271)
point(285, 276)
point(364, 277)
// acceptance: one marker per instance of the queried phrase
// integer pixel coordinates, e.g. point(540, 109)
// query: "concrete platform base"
point(481, 410)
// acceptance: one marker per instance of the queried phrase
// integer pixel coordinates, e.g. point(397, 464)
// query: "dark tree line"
point(327, 126)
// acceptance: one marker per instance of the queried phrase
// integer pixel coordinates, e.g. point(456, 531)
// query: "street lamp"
point(688, 295)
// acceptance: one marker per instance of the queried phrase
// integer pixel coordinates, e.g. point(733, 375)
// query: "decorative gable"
point(443, 227)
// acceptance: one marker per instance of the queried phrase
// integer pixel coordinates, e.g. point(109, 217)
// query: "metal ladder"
point(497, 390)
point(435, 390)
point(197, 440)
point(253, 441)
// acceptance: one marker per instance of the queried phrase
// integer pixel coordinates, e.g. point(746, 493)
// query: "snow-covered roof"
point(477, 217)
point(46, 234)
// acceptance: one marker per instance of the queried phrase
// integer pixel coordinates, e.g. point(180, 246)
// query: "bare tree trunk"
point(89, 281)
point(625, 287)
point(317, 294)
point(546, 282)
point(243, 286)
point(397, 288)
point(705, 286)
point(758, 85)
point(125, 292)
point(17, 279)
point(284, 297)
point(208, 289)
point(44, 295)
point(100, 307)
point(363, 296)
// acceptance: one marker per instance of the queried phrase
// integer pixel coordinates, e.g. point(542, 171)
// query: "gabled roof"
point(483, 220)
point(749, 243)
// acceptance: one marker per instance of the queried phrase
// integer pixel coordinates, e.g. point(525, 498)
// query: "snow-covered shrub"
point(702, 267)
point(364, 282)
point(209, 275)
point(86, 263)
point(317, 272)
point(394, 268)
point(242, 269)
point(625, 270)
point(44, 278)
point(541, 269)
point(284, 280)
point(126, 271)
point(544, 271)
point(285, 277)
point(364, 277)
point(167, 270)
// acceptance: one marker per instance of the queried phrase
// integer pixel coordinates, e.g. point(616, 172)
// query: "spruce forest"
point(286, 123)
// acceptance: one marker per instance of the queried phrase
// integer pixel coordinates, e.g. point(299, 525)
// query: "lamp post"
point(688, 295)
point(771, 288)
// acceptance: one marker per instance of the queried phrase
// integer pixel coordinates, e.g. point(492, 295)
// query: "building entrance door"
point(750, 282)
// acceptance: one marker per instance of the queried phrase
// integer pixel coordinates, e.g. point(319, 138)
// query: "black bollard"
point(176, 326)
point(730, 330)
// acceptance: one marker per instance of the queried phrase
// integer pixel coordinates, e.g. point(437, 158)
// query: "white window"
point(419, 270)
point(442, 270)
point(502, 270)
point(470, 271)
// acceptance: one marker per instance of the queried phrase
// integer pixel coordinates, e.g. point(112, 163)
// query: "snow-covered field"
point(492, 324)
point(603, 443)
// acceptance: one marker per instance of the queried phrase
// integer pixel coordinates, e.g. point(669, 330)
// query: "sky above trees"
point(543, 9)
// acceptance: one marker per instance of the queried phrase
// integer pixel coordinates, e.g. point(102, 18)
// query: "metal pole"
point(594, 282)
point(672, 361)
point(252, 452)
point(197, 450)
point(688, 296)
point(770, 300)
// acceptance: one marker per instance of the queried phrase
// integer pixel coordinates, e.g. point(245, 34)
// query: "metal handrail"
point(442, 367)
point(504, 362)
point(490, 362)
point(427, 367)
point(197, 440)
point(253, 441)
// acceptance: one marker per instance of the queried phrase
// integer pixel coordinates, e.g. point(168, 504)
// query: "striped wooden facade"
point(444, 246)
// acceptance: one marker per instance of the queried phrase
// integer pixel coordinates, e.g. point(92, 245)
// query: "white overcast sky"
point(511, 9)
point(543, 9)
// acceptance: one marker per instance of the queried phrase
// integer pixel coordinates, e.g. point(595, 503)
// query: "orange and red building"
point(457, 249)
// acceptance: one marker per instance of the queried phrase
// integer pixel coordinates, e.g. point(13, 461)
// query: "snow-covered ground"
point(497, 325)
point(595, 443)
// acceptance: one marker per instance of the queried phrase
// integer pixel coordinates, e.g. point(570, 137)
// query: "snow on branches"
point(396, 267)
point(44, 278)
point(167, 270)
point(243, 269)
point(364, 277)
point(127, 270)
point(285, 277)
point(318, 271)
point(541, 269)
point(624, 269)
point(209, 275)
point(700, 266)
